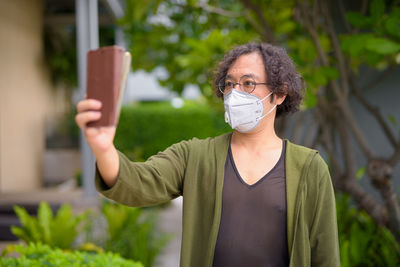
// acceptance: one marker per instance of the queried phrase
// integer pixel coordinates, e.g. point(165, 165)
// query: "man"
point(249, 197)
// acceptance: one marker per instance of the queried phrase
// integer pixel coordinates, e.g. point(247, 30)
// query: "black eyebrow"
point(250, 75)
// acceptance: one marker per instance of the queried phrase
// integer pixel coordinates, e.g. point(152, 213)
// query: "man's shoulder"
point(299, 149)
point(298, 155)
point(205, 142)
point(199, 146)
point(305, 156)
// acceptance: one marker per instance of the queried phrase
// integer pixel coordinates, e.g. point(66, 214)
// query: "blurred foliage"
point(378, 42)
point(145, 129)
point(60, 47)
point(78, 178)
point(362, 241)
point(187, 38)
point(60, 55)
point(57, 231)
point(65, 133)
point(184, 39)
point(133, 233)
point(37, 254)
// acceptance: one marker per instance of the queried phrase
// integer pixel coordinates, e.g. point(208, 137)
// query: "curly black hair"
point(282, 77)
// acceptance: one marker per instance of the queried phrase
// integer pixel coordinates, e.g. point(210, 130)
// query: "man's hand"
point(100, 139)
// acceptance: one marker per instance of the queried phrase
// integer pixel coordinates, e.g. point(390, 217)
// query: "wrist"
point(106, 154)
point(108, 165)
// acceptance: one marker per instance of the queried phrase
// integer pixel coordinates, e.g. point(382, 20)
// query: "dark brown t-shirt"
point(252, 231)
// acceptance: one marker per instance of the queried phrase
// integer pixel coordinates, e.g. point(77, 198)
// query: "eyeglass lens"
point(246, 84)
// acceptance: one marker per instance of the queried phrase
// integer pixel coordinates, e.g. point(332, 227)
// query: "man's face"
point(251, 65)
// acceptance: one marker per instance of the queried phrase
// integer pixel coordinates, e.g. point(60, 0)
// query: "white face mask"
point(244, 111)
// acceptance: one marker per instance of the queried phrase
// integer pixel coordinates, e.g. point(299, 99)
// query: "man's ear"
point(280, 98)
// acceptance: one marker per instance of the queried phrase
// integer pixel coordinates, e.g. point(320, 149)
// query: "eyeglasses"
point(246, 84)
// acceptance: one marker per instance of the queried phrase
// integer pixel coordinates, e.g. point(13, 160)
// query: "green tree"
point(329, 41)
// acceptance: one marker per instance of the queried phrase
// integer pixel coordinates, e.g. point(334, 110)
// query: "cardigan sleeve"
point(155, 181)
point(324, 232)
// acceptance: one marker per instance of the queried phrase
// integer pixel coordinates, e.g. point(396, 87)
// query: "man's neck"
point(262, 138)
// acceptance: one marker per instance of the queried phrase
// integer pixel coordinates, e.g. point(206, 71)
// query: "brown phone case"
point(105, 79)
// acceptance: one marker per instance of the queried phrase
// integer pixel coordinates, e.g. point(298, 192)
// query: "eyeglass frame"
point(240, 85)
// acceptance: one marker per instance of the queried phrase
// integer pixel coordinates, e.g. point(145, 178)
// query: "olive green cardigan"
point(195, 170)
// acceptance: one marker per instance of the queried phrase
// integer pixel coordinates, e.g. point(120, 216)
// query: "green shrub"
point(59, 231)
point(145, 129)
point(362, 241)
point(37, 255)
point(132, 232)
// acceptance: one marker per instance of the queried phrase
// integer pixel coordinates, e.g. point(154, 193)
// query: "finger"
point(88, 104)
point(83, 118)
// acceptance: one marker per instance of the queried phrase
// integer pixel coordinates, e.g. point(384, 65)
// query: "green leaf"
point(64, 214)
point(360, 173)
point(377, 9)
point(23, 215)
point(373, 59)
point(306, 49)
point(321, 76)
point(359, 20)
point(136, 238)
point(45, 216)
point(345, 260)
point(392, 25)
point(192, 2)
point(392, 119)
point(285, 14)
point(382, 65)
point(325, 42)
point(286, 27)
point(20, 233)
point(310, 99)
point(382, 45)
point(115, 216)
point(64, 227)
point(30, 226)
point(330, 73)
point(359, 244)
point(355, 44)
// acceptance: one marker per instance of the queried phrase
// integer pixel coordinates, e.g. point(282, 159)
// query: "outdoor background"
point(347, 51)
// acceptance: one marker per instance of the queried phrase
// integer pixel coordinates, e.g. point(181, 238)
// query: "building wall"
point(25, 93)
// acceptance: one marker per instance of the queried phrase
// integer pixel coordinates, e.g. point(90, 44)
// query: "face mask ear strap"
point(266, 114)
point(261, 100)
